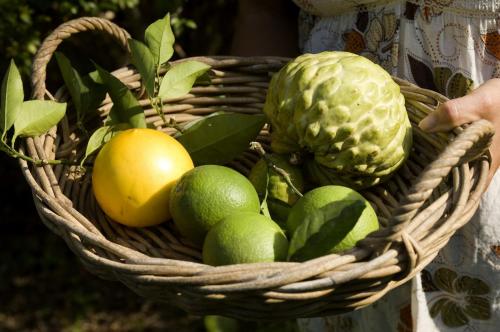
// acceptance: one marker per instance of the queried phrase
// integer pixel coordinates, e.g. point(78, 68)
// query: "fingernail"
point(428, 123)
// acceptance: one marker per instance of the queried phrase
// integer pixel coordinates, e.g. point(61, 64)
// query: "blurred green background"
point(42, 285)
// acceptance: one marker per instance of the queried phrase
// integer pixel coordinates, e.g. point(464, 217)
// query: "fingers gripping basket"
point(435, 193)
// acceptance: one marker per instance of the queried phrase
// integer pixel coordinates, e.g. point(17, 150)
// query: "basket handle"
point(473, 141)
point(64, 31)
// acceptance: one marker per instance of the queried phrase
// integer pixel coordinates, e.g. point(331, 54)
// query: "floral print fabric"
point(450, 46)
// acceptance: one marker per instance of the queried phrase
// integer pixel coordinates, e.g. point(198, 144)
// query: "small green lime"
point(205, 195)
point(329, 219)
point(244, 237)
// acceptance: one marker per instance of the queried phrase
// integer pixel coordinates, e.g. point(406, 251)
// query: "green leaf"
point(220, 138)
point(324, 229)
point(85, 93)
point(72, 80)
point(126, 105)
point(160, 40)
point(101, 136)
point(186, 125)
point(179, 80)
point(95, 77)
point(144, 62)
point(221, 324)
point(36, 117)
point(11, 98)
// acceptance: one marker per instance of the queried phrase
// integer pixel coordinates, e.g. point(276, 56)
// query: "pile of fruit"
point(341, 120)
point(338, 124)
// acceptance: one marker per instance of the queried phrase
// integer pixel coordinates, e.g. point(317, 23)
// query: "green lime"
point(280, 195)
point(205, 195)
point(244, 237)
point(328, 219)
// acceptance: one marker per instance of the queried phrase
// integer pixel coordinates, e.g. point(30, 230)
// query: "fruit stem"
point(256, 146)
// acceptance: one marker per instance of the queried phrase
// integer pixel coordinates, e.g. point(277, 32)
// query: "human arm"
point(264, 27)
point(481, 103)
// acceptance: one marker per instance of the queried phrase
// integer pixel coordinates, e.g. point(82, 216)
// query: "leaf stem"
point(256, 146)
point(37, 162)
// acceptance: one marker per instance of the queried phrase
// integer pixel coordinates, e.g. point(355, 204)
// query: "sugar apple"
point(343, 110)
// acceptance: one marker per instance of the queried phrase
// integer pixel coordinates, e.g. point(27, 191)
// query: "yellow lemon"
point(134, 173)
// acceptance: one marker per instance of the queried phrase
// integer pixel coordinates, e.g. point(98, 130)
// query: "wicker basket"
point(434, 194)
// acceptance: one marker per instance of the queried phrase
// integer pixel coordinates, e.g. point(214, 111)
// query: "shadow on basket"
point(434, 192)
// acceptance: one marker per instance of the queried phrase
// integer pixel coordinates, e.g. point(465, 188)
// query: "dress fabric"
point(450, 46)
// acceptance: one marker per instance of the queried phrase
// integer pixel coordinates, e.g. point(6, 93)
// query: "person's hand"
point(481, 103)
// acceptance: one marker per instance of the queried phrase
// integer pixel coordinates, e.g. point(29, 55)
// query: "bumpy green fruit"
point(280, 196)
point(343, 109)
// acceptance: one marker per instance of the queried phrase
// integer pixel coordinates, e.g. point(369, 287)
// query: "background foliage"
point(201, 27)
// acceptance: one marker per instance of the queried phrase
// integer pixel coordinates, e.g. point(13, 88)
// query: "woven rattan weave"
point(431, 196)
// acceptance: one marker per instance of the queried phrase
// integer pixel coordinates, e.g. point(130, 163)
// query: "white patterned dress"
point(450, 46)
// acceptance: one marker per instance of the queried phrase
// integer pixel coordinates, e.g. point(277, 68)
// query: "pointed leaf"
point(219, 139)
point(94, 97)
point(144, 62)
point(221, 324)
point(95, 77)
point(11, 98)
point(179, 80)
point(72, 80)
point(101, 136)
point(160, 40)
point(36, 117)
point(126, 105)
point(186, 125)
point(85, 93)
point(324, 230)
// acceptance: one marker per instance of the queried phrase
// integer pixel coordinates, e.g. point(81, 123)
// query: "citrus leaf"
point(85, 93)
point(221, 324)
point(144, 62)
point(220, 138)
point(101, 136)
point(180, 79)
point(11, 98)
point(126, 105)
point(186, 125)
point(72, 80)
point(160, 40)
point(95, 77)
point(36, 117)
point(323, 229)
